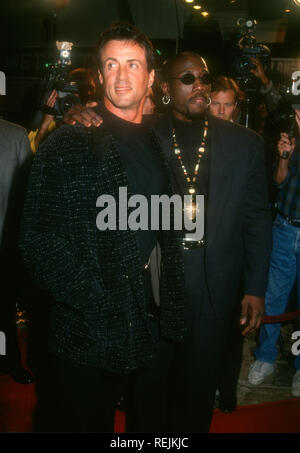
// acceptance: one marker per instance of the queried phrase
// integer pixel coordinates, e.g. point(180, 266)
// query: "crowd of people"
point(148, 312)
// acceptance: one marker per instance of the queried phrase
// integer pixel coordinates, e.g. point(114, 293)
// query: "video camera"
point(247, 48)
point(56, 78)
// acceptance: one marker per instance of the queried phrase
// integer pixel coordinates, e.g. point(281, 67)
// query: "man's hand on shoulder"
point(252, 313)
point(83, 114)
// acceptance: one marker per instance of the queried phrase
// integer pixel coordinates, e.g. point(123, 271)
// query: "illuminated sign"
point(2, 343)
point(2, 83)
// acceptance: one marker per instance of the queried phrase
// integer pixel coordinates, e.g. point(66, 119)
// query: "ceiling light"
point(197, 7)
point(287, 10)
point(297, 2)
point(205, 13)
point(189, 1)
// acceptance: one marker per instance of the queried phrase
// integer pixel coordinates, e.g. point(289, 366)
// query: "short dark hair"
point(222, 83)
point(124, 31)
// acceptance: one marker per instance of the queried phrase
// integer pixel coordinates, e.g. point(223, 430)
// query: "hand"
point(52, 98)
point(83, 114)
point(252, 309)
point(46, 121)
point(286, 144)
point(298, 118)
point(259, 72)
point(47, 118)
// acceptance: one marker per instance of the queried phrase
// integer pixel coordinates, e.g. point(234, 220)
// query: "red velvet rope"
point(281, 318)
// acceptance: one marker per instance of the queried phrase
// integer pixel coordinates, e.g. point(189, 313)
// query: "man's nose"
point(122, 73)
point(198, 83)
point(221, 109)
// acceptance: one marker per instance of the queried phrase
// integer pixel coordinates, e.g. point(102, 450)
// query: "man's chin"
point(122, 102)
point(195, 115)
point(196, 111)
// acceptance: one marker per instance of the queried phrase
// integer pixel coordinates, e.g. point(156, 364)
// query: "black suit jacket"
point(238, 233)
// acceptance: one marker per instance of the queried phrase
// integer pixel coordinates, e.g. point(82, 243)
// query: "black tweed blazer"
point(98, 317)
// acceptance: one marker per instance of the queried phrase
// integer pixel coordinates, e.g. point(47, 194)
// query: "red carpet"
point(276, 417)
point(17, 403)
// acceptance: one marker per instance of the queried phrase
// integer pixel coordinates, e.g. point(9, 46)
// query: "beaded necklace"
point(200, 152)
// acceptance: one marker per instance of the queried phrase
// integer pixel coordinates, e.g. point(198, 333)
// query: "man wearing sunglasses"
point(223, 162)
point(236, 245)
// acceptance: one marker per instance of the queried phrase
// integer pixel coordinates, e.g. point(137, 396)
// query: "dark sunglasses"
point(189, 79)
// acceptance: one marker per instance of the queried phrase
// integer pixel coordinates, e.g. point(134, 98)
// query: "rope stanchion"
point(281, 318)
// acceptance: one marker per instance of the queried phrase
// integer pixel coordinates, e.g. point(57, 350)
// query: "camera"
point(247, 48)
point(284, 115)
point(57, 79)
point(284, 118)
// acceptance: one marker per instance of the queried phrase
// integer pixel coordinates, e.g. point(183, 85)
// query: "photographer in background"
point(285, 258)
point(87, 89)
point(271, 94)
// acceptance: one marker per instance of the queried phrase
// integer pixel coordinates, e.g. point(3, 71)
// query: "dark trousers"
point(8, 317)
point(84, 399)
point(231, 366)
point(174, 394)
point(81, 398)
point(186, 375)
point(198, 359)
point(9, 284)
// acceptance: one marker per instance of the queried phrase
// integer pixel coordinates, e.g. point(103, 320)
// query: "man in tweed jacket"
point(102, 328)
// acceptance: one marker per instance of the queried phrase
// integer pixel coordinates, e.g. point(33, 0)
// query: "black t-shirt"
point(143, 167)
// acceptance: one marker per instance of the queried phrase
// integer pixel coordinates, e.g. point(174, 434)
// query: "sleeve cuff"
point(267, 89)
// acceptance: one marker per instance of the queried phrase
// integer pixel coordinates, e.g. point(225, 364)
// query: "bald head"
point(179, 59)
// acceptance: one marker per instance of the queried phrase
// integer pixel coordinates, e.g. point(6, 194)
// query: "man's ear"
point(100, 77)
point(165, 88)
point(151, 78)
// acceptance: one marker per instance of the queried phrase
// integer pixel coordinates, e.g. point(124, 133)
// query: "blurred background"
point(214, 28)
